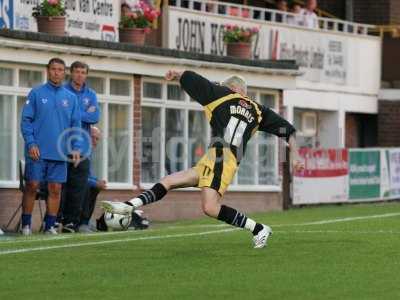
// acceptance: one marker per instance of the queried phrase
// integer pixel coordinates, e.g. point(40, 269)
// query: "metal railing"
point(244, 12)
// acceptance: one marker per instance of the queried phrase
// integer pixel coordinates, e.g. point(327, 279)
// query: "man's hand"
point(34, 152)
point(76, 158)
point(298, 165)
point(297, 162)
point(173, 75)
point(101, 184)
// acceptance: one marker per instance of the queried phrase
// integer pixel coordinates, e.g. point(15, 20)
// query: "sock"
point(26, 220)
point(257, 228)
point(157, 192)
point(49, 221)
point(232, 216)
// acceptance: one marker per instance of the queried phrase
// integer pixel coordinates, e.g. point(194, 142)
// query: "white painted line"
point(340, 231)
point(156, 237)
point(22, 239)
point(350, 219)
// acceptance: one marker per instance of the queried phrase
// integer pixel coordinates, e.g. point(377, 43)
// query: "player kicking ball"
point(233, 118)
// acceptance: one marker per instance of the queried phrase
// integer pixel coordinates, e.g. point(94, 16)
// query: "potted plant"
point(134, 25)
point(50, 17)
point(238, 40)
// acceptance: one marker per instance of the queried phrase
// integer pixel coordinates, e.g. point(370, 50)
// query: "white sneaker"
point(51, 231)
point(26, 230)
point(1, 232)
point(260, 240)
point(117, 207)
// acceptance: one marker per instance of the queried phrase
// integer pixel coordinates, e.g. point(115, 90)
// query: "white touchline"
point(349, 219)
point(155, 237)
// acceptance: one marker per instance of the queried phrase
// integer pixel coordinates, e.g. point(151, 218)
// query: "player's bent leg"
point(181, 179)
point(212, 207)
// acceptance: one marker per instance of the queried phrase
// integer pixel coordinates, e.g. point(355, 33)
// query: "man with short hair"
point(75, 188)
point(233, 118)
point(49, 115)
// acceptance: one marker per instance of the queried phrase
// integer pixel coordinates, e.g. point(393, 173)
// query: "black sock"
point(157, 192)
point(232, 216)
point(258, 228)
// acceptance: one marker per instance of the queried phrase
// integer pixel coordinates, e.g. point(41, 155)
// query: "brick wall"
point(388, 123)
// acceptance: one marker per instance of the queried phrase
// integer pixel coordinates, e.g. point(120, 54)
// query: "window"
point(111, 159)
point(6, 76)
point(30, 78)
point(151, 139)
point(6, 114)
point(174, 131)
point(175, 135)
point(96, 83)
point(118, 143)
point(14, 84)
point(120, 87)
point(152, 90)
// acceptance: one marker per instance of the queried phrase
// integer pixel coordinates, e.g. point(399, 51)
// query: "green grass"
point(355, 259)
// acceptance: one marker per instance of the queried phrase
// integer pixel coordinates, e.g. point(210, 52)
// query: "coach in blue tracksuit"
point(75, 188)
point(48, 118)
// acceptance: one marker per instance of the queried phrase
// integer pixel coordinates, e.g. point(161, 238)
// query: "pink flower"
point(255, 29)
point(52, 2)
point(147, 30)
point(235, 27)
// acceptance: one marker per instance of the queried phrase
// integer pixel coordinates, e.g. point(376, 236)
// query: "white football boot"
point(260, 239)
point(117, 207)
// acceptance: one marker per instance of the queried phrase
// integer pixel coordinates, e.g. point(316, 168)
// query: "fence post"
point(287, 181)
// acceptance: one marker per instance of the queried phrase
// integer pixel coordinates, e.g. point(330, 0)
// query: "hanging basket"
point(241, 50)
point(51, 25)
point(135, 36)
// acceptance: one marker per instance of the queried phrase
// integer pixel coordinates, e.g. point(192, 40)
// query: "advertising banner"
point(324, 179)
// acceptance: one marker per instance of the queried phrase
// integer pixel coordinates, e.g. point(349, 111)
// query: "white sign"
point(325, 178)
point(95, 19)
point(325, 57)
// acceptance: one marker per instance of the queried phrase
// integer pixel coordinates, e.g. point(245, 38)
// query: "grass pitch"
point(330, 252)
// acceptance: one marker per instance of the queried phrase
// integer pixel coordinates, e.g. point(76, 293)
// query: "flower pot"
point(241, 50)
point(51, 25)
point(135, 36)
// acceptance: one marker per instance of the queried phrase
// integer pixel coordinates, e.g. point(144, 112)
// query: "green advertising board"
point(364, 177)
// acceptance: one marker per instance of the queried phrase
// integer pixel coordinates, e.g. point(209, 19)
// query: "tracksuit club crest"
point(65, 103)
point(44, 100)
